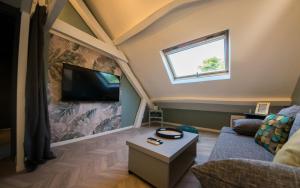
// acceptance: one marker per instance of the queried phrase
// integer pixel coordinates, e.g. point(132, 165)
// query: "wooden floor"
point(96, 163)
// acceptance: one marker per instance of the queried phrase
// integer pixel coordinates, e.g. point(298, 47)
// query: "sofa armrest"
point(246, 173)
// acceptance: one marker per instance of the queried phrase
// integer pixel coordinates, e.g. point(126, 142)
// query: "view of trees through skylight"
point(201, 59)
point(206, 56)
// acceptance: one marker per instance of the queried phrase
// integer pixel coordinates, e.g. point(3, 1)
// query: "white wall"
point(265, 46)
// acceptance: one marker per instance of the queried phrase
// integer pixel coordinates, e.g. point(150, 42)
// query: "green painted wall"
point(296, 95)
point(70, 16)
point(206, 119)
point(130, 102)
point(211, 116)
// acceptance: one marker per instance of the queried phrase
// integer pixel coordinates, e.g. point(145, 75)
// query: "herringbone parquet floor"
point(98, 163)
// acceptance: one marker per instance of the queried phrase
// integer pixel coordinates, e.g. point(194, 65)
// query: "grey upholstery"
point(296, 125)
point(247, 174)
point(237, 161)
point(232, 145)
point(290, 111)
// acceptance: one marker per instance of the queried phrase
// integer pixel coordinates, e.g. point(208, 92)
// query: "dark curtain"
point(37, 129)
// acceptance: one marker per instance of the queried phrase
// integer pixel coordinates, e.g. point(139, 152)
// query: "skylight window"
point(202, 59)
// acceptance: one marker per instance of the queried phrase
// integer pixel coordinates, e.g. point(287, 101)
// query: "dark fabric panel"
point(37, 129)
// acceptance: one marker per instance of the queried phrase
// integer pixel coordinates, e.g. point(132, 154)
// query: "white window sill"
point(201, 79)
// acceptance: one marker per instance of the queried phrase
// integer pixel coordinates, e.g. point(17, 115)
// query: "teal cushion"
point(188, 128)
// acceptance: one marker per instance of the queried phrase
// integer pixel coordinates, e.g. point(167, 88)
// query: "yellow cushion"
point(289, 154)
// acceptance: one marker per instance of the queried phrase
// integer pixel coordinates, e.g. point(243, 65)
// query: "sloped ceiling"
point(264, 36)
point(118, 16)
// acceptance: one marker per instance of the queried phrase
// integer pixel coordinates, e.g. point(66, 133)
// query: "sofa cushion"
point(295, 126)
point(246, 127)
point(289, 154)
point(291, 111)
point(274, 132)
point(246, 173)
point(231, 145)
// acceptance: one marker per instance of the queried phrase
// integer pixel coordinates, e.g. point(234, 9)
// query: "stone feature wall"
point(70, 120)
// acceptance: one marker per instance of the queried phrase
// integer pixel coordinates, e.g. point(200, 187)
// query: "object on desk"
point(188, 128)
point(155, 107)
point(156, 115)
point(170, 133)
point(262, 108)
point(154, 141)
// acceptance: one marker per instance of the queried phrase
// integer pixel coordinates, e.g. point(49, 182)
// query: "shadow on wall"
point(296, 94)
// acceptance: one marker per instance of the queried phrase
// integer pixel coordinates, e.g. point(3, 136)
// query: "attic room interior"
point(150, 93)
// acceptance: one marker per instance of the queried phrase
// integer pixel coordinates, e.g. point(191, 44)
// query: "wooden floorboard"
point(98, 162)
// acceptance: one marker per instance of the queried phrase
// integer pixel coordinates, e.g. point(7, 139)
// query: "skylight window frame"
point(213, 75)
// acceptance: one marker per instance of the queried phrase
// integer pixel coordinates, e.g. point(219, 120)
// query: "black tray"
point(178, 135)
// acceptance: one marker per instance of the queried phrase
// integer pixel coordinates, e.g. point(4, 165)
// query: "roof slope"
point(265, 46)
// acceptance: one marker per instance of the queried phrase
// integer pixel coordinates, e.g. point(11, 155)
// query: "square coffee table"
point(161, 165)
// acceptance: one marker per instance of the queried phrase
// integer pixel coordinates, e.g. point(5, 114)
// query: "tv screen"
point(81, 84)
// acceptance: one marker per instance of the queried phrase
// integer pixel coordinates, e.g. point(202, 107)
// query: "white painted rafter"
point(64, 29)
point(90, 20)
point(151, 19)
point(21, 83)
point(54, 9)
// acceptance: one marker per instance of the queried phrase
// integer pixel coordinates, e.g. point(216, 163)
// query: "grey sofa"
point(237, 161)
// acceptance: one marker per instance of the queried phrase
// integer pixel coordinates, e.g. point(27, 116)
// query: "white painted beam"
point(90, 20)
point(66, 30)
point(21, 83)
point(151, 19)
point(54, 9)
point(26, 6)
point(140, 114)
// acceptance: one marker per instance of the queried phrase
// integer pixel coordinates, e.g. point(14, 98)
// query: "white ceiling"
point(118, 16)
point(265, 45)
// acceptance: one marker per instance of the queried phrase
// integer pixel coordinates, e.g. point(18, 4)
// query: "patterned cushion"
point(274, 132)
point(296, 125)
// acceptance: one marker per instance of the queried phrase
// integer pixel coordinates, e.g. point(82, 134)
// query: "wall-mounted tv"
point(81, 84)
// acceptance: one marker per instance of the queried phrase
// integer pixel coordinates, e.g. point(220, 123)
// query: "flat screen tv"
point(81, 84)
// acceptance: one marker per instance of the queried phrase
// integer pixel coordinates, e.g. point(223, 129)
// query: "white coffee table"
point(162, 165)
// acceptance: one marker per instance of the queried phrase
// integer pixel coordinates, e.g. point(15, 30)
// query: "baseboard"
point(144, 124)
point(88, 137)
point(177, 125)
